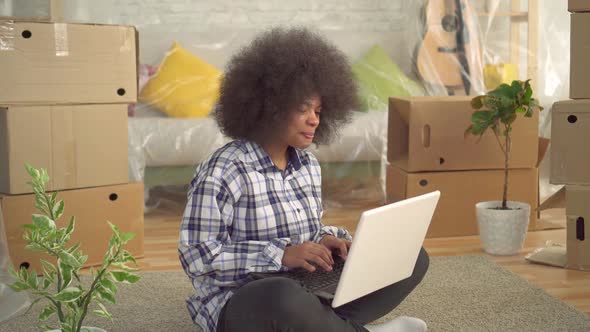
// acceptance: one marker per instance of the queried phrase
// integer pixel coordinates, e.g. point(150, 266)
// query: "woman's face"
point(303, 122)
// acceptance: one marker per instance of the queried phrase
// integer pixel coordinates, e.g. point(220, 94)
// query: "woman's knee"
point(277, 295)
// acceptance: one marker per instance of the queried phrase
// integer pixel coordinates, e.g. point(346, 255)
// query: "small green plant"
point(497, 110)
point(60, 284)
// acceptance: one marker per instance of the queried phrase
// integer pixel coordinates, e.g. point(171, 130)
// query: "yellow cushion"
point(184, 86)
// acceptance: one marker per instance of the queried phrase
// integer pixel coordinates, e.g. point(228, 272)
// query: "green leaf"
point(126, 237)
point(58, 209)
point(74, 248)
point(69, 259)
point(477, 102)
point(18, 286)
point(509, 119)
point(69, 294)
point(127, 257)
point(44, 176)
point(105, 294)
point(34, 246)
point(528, 93)
point(67, 326)
point(47, 280)
point(125, 277)
point(516, 87)
point(109, 284)
point(30, 227)
point(529, 113)
point(47, 312)
point(115, 230)
point(34, 173)
point(59, 235)
point(66, 272)
point(503, 91)
point(71, 226)
point(33, 281)
point(23, 274)
point(43, 222)
point(479, 116)
point(124, 267)
point(13, 273)
point(53, 199)
point(48, 266)
point(102, 312)
point(39, 200)
point(521, 109)
point(82, 259)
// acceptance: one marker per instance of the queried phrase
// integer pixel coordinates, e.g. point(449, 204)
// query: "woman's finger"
point(319, 260)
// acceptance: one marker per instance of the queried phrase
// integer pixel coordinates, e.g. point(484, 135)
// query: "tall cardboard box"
point(578, 227)
point(460, 191)
point(64, 63)
point(122, 205)
point(578, 6)
point(428, 134)
point(579, 55)
point(80, 145)
point(570, 135)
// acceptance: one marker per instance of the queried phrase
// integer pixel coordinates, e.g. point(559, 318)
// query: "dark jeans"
point(281, 304)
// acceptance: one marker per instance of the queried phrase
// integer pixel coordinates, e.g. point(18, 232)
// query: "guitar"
point(450, 53)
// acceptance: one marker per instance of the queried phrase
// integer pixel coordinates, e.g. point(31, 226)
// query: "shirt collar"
point(262, 161)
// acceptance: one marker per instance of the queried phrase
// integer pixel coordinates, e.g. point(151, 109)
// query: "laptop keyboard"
point(319, 278)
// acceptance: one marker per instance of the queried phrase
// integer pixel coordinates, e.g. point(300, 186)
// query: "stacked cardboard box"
point(427, 151)
point(570, 132)
point(63, 107)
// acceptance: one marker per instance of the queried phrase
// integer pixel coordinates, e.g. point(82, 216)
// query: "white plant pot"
point(502, 232)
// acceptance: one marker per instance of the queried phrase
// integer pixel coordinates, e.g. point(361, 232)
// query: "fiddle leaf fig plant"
point(66, 297)
point(497, 110)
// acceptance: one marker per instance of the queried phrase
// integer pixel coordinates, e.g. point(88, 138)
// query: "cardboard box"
point(578, 227)
point(570, 134)
point(79, 145)
point(579, 55)
point(428, 134)
point(92, 207)
point(578, 6)
point(63, 63)
point(460, 191)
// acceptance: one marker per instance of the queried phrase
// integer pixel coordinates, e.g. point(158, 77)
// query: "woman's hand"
point(335, 244)
point(302, 254)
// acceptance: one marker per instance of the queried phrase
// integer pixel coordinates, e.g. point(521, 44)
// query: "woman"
point(255, 204)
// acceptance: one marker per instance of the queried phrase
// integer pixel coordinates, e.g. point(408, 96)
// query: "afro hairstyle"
point(275, 75)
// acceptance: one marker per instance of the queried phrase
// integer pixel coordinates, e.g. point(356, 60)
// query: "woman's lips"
point(308, 135)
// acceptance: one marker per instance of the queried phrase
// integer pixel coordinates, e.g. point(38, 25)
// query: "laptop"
point(384, 251)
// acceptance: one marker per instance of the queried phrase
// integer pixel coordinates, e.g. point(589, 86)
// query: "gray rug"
point(465, 293)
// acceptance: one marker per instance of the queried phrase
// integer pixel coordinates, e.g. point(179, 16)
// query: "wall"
point(215, 29)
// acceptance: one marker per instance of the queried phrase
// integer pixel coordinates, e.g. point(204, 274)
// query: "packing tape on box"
point(6, 35)
point(61, 39)
point(64, 143)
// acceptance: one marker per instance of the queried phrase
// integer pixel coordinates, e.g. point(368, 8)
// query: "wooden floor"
point(571, 286)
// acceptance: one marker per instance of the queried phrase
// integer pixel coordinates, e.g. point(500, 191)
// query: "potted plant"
point(502, 224)
point(68, 299)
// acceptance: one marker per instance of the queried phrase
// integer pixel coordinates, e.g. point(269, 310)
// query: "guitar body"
point(438, 58)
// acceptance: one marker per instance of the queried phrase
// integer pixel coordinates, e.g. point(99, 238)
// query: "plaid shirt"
point(241, 213)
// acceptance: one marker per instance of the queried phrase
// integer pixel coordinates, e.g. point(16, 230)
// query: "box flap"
point(557, 200)
point(553, 255)
point(578, 6)
point(543, 146)
point(571, 106)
